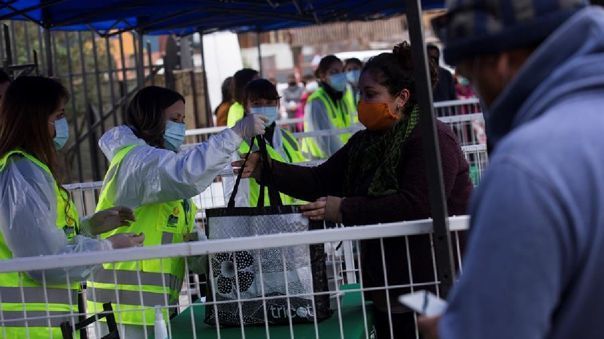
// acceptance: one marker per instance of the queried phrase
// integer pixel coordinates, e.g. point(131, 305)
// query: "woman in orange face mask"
point(379, 177)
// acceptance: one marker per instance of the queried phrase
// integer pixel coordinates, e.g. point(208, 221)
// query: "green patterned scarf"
point(376, 157)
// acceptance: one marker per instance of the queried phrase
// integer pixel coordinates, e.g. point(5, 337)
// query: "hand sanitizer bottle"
point(161, 332)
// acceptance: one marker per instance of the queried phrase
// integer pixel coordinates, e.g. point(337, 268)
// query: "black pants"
point(403, 325)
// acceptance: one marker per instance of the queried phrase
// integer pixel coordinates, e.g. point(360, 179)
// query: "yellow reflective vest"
point(53, 304)
point(235, 114)
point(135, 287)
point(341, 115)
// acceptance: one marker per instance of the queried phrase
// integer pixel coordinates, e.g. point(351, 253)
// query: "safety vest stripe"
point(324, 97)
point(149, 299)
point(132, 278)
point(290, 140)
point(35, 318)
point(36, 295)
point(289, 156)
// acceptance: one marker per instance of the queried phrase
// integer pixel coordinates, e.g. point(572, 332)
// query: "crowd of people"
point(327, 99)
point(146, 195)
point(532, 267)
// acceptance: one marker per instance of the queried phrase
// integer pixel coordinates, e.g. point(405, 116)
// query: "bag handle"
point(275, 198)
point(231, 203)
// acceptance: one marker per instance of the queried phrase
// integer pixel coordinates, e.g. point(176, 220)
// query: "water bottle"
point(161, 331)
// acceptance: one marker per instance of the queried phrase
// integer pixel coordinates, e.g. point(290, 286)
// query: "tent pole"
point(48, 48)
point(206, 90)
point(438, 201)
point(150, 63)
point(259, 53)
point(140, 60)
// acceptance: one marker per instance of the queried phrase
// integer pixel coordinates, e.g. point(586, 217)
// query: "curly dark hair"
point(395, 71)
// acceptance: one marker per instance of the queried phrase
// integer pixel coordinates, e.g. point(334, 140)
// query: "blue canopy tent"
point(182, 17)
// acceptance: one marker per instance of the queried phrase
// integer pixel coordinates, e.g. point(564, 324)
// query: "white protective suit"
point(150, 175)
point(28, 213)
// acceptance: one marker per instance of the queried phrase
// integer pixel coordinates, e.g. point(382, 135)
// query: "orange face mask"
point(376, 116)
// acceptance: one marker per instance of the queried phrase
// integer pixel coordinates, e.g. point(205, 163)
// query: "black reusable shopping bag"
point(297, 270)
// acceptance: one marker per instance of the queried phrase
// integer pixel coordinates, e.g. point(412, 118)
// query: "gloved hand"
point(125, 240)
point(110, 219)
point(250, 126)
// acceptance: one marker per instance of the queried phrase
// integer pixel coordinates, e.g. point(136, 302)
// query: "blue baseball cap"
point(477, 27)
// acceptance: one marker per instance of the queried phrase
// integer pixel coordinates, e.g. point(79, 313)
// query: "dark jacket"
point(410, 203)
point(445, 87)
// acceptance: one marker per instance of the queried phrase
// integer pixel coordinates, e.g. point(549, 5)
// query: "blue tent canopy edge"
point(182, 17)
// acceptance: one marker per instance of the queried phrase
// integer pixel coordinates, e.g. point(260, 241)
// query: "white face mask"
point(338, 81)
point(269, 112)
point(353, 76)
point(61, 133)
point(174, 135)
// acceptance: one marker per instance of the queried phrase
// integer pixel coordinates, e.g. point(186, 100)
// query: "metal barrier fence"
point(193, 136)
point(342, 259)
point(457, 107)
point(463, 116)
point(353, 315)
point(85, 195)
point(478, 159)
point(442, 109)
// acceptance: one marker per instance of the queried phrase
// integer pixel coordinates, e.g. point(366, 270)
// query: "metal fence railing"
point(85, 195)
point(342, 259)
point(457, 107)
point(463, 116)
point(442, 109)
point(468, 128)
point(193, 136)
point(349, 293)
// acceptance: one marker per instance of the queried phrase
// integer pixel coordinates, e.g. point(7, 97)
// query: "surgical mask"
point(376, 116)
point(338, 81)
point(61, 133)
point(174, 135)
point(353, 76)
point(269, 112)
point(312, 86)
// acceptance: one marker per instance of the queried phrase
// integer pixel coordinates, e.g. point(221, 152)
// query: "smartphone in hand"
point(424, 303)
